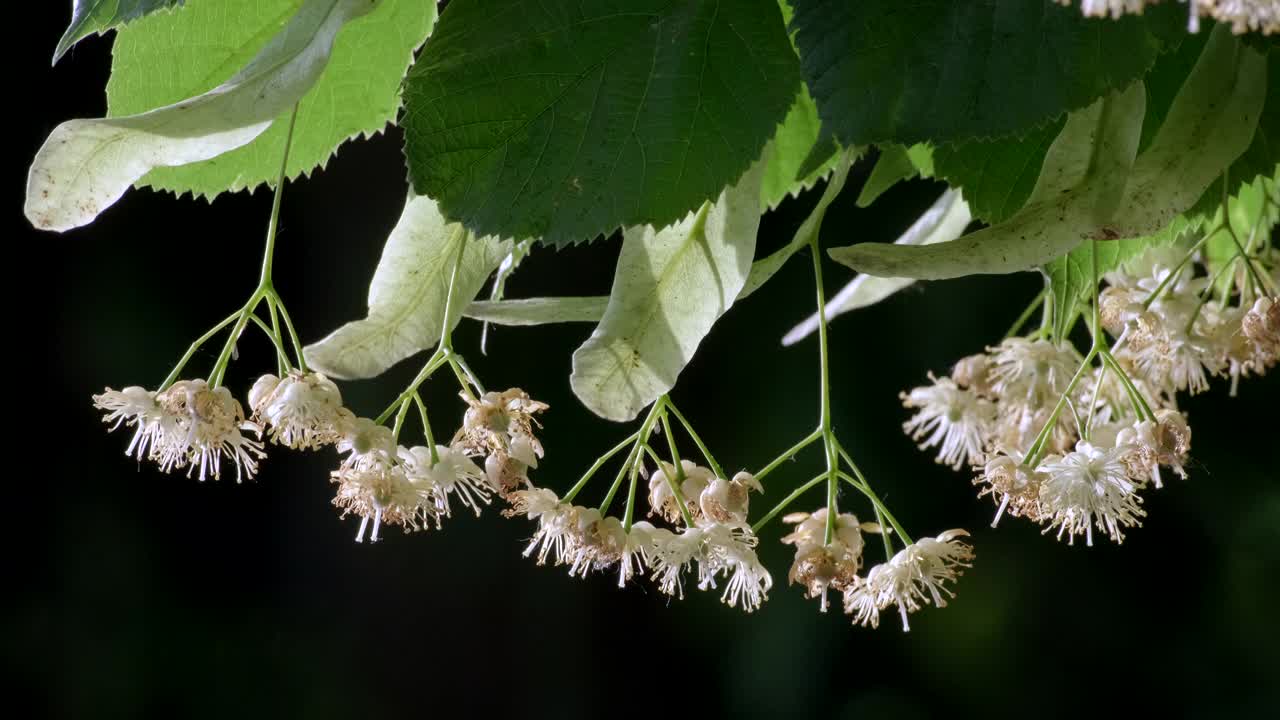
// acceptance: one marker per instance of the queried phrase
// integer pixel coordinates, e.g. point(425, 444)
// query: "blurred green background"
point(143, 594)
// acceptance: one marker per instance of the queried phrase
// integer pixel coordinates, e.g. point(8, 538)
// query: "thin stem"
point(275, 339)
point(787, 501)
point(293, 334)
point(790, 453)
point(876, 502)
point(865, 488)
point(269, 255)
point(400, 416)
point(1034, 452)
point(282, 360)
point(463, 381)
point(634, 457)
point(460, 363)
point(195, 347)
point(1139, 402)
point(446, 326)
point(1036, 302)
point(1226, 221)
point(702, 447)
point(828, 438)
point(673, 484)
point(599, 463)
point(426, 428)
point(433, 364)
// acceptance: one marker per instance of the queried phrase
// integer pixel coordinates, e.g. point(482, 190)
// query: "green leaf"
point(562, 120)
point(887, 71)
point(997, 176)
point(167, 57)
point(944, 221)
point(892, 167)
point(670, 287)
point(408, 294)
point(791, 146)
point(538, 311)
point(766, 267)
point(1093, 151)
point(1208, 126)
point(98, 16)
point(86, 165)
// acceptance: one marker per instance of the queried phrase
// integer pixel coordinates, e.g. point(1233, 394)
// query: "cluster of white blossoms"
point(1242, 15)
point(415, 487)
point(1075, 453)
point(187, 425)
point(718, 543)
point(915, 576)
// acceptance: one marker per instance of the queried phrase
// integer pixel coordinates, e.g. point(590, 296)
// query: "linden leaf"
point(1084, 190)
point(885, 71)
point(562, 120)
point(167, 57)
point(670, 287)
point(408, 294)
point(86, 165)
point(89, 17)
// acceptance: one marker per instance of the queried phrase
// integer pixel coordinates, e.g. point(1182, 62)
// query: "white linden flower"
point(1244, 15)
point(303, 411)
point(188, 425)
point(662, 501)
point(364, 437)
point(1014, 487)
point(638, 546)
point(595, 541)
point(956, 420)
point(375, 487)
point(726, 501)
point(1164, 441)
point(672, 554)
point(555, 522)
point(914, 577)
point(819, 567)
point(730, 551)
point(1087, 487)
point(452, 474)
point(1032, 372)
point(135, 407)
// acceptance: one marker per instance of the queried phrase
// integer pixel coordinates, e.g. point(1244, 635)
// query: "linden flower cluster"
point(1242, 15)
point(1072, 446)
point(414, 487)
point(718, 543)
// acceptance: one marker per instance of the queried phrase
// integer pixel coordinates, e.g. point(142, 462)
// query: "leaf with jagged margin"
point(789, 150)
point(170, 56)
point(997, 176)
point(1095, 143)
point(944, 221)
point(670, 287)
point(895, 164)
point(887, 71)
point(538, 311)
point(1071, 276)
point(408, 294)
point(1209, 125)
point(766, 267)
point(86, 165)
point(562, 120)
point(90, 17)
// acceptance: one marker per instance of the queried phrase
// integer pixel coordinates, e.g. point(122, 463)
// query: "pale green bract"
point(1076, 198)
point(944, 221)
point(408, 294)
point(171, 56)
point(538, 311)
point(87, 165)
point(670, 287)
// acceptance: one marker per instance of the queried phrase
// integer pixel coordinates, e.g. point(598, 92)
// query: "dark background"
point(138, 593)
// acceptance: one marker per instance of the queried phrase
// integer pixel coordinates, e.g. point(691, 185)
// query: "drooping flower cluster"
point(415, 487)
point(719, 543)
point(187, 425)
point(914, 577)
point(303, 411)
point(1072, 446)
